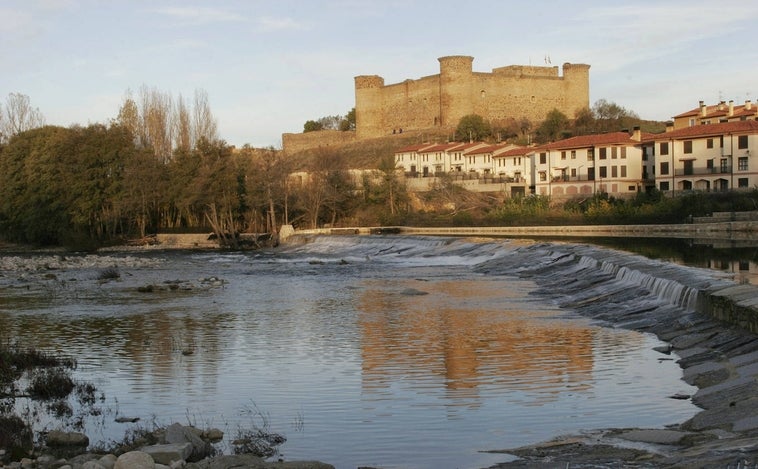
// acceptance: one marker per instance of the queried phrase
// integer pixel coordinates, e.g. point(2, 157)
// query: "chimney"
point(721, 105)
point(669, 126)
point(636, 133)
point(748, 105)
point(731, 108)
point(703, 109)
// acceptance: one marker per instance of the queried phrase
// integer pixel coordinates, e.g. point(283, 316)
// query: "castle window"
point(534, 99)
point(483, 94)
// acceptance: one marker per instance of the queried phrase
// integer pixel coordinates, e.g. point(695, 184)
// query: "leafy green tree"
point(473, 127)
point(556, 125)
point(348, 123)
point(312, 126)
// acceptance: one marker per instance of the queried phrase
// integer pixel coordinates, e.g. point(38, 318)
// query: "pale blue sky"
point(268, 66)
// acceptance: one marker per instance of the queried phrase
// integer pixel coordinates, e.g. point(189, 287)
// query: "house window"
point(742, 183)
point(543, 176)
point(742, 142)
point(573, 172)
point(709, 143)
point(664, 185)
point(688, 146)
point(664, 148)
point(614, 172)
point(543, 158)
point(603, 153)
point(603, 172)
point(724, 165)
point(614, 152)
point(709, 165)
point(623, 171)
point(573, 154)
point(563, 155)
point(664, 169)
point(623, 153)
point(590, 154)
point(742, 163)
point(721, 141)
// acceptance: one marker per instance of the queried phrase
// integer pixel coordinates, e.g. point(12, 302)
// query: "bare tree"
point(182, 126)
point(19, 116)
point(156, 121)
point(128, 117)
point(205, 123)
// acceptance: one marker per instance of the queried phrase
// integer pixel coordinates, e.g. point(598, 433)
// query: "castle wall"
point(510, 92)
point(293, 143)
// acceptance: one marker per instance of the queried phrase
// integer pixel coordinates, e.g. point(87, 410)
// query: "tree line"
point(604, 116)
point(159, 166)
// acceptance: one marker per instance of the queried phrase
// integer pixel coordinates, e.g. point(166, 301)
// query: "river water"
point(362, 351)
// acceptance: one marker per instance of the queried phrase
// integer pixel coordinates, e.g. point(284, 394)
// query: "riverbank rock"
point(169, 453)
point(179, 434)
point(134, 460)
point(57, 438)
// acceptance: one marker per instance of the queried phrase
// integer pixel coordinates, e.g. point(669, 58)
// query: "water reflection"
point(470, 334)
point(412, 365)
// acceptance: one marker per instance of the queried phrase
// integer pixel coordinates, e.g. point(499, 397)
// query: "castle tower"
point(576, 79)
point(456, 85)
point(369, 110)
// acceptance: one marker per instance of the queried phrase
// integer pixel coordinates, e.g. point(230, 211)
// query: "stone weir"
point(710, 325)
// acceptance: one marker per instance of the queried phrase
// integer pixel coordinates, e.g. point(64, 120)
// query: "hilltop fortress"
point(510, 92)
point(437, 102)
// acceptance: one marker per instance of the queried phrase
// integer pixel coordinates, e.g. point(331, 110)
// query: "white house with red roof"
point(706, 157)
point(716, 114)
point(406, 158)
point(515, 165)
point(609, 163)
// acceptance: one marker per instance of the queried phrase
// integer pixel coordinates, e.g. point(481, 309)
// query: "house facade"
point(609, 163)
point(716, 114)
point(706, 157)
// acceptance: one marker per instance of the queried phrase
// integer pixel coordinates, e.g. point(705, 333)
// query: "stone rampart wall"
point(293, 143)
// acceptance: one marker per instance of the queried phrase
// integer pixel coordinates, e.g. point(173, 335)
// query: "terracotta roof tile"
point(707, 130)
point(584, 141)
point(411, 148)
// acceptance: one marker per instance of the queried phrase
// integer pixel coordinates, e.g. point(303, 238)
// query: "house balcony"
point(703, 171)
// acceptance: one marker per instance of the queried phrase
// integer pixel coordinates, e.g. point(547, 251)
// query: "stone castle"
point(439, 101)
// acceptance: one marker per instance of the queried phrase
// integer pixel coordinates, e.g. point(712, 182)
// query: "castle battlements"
point(507, 93)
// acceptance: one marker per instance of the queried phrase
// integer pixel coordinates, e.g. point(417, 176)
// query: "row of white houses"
point(702, 156)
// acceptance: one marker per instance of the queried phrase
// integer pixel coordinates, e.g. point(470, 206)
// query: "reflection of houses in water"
point(744, 271)
point(466, 335)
